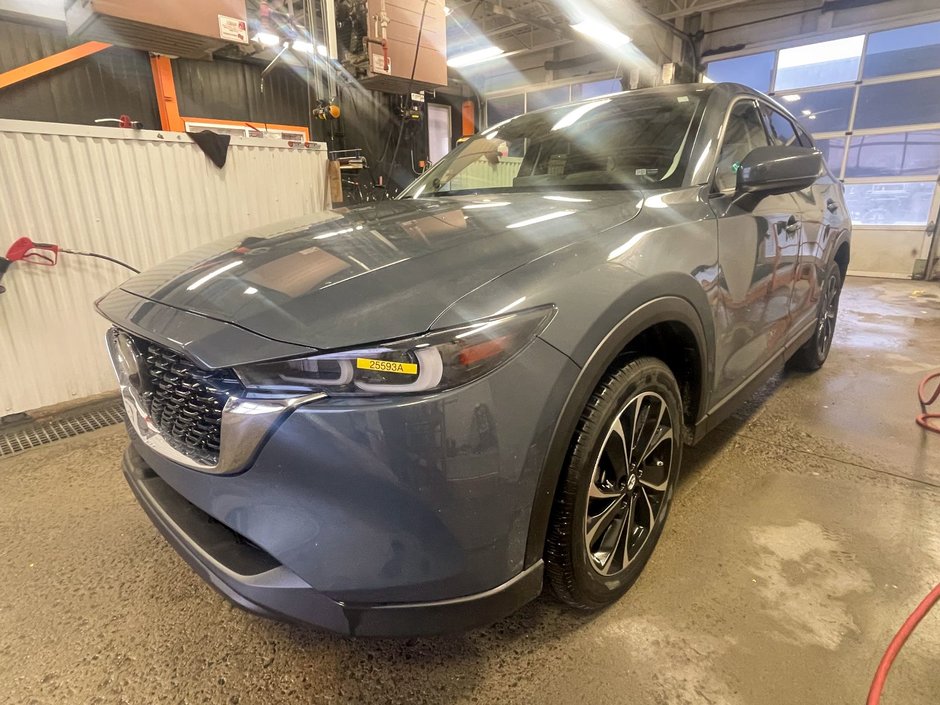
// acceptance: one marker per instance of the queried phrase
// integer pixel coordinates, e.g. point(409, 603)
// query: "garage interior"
point(804, 529)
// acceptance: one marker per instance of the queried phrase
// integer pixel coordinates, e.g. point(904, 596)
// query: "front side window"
point(744, 132)
point(781, 130)
point(618, 142)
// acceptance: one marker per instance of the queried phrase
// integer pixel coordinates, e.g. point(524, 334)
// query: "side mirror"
point(779, 170)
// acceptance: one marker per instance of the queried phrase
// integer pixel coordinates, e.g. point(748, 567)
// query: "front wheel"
point(617, 486)
point(814, 352)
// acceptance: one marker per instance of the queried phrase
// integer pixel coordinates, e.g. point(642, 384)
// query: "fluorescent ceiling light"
point(572, 116)
point(301, 45)
point(792, 98)
point(266, 38)
point(807, 112)
point(475, 57)
point(322, 50)
point(602, 33)
point(251, 290)
point(539, 219)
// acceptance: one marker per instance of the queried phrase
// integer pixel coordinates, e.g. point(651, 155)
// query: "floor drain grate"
point(43, 432)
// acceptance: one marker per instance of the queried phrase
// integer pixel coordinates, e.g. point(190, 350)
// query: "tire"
point(812, 355)
point(587, 568)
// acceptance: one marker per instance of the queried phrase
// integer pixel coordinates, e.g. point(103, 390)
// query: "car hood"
point(375, 272)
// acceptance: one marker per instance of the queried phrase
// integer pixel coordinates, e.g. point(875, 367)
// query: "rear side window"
point(744, 132)
point(781, 130)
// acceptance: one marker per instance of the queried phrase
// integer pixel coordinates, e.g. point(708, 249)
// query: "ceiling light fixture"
point(475, 57)
point(792, 98)
point(301, 45)
point(267, 38)
point(602, 33)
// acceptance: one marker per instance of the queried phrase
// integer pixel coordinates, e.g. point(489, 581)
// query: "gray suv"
point(403, 418)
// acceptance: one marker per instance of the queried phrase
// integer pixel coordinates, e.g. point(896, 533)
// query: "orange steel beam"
point(467, 114)
point(170, 119)
point(40, 66)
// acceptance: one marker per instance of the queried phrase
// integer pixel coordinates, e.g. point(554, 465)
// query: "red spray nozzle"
point(25, 250)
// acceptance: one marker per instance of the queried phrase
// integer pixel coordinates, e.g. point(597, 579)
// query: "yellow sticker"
point(402, 368)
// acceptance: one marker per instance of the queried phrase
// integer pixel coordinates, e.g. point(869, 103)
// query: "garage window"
point(833, 150)
point(817, 64)
point(890, 203)
point(898, 103)
point(594, 89)
point(499, 109)
point(547, 98)
point(754, 71)
point(897, 154)
point(903, 50)
point(821, 111)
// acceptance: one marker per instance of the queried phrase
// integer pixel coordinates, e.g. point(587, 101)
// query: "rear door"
point(758, 250)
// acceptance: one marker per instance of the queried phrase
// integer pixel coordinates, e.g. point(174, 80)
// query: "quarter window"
point(781, 129)
point(743, 133)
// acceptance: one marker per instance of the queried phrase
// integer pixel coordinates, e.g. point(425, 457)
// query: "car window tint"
point(743, 133)
point(781, 129)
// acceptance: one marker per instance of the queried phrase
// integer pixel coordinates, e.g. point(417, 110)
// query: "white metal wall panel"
point(139, 196)
point(482, 174)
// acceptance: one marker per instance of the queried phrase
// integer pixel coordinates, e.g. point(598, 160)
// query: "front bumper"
point(255, 581)
point(356, 515)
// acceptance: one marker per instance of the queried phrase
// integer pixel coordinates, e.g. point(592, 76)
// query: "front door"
point(758, 252)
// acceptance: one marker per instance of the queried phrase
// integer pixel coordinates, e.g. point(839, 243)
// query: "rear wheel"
point(814, 352)
point(617, 486)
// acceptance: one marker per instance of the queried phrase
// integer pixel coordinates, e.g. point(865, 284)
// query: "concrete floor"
point(804, 531)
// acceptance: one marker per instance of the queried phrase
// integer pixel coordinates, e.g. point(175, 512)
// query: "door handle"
point(792, 225)
point(831, 205)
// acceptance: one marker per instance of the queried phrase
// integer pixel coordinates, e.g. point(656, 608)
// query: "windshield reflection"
point(620, 141)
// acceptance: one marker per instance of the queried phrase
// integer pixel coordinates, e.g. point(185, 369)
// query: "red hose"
point(878, 684)
point(924, 418)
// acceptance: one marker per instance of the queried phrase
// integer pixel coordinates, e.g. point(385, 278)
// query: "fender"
point(659, 310)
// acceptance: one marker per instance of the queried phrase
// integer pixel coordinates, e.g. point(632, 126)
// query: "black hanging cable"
point(97, 256)
point(414, 68)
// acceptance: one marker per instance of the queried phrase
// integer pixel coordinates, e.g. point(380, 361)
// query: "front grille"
point(184, 401)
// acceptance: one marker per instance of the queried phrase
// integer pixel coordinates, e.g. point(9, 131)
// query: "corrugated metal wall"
point(231, 90)
point(481, 174)
point(138, 196)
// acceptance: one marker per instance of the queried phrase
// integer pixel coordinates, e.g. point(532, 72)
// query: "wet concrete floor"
point(804, 531)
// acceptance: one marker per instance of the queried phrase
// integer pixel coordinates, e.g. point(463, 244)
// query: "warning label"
point(380, 64)
point(233, 29)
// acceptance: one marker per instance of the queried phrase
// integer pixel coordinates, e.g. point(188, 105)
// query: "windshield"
point(624, 141)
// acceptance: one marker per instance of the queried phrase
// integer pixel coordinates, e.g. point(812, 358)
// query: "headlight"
point(438, 360)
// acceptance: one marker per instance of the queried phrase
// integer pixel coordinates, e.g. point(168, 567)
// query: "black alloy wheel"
point(617, 485)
